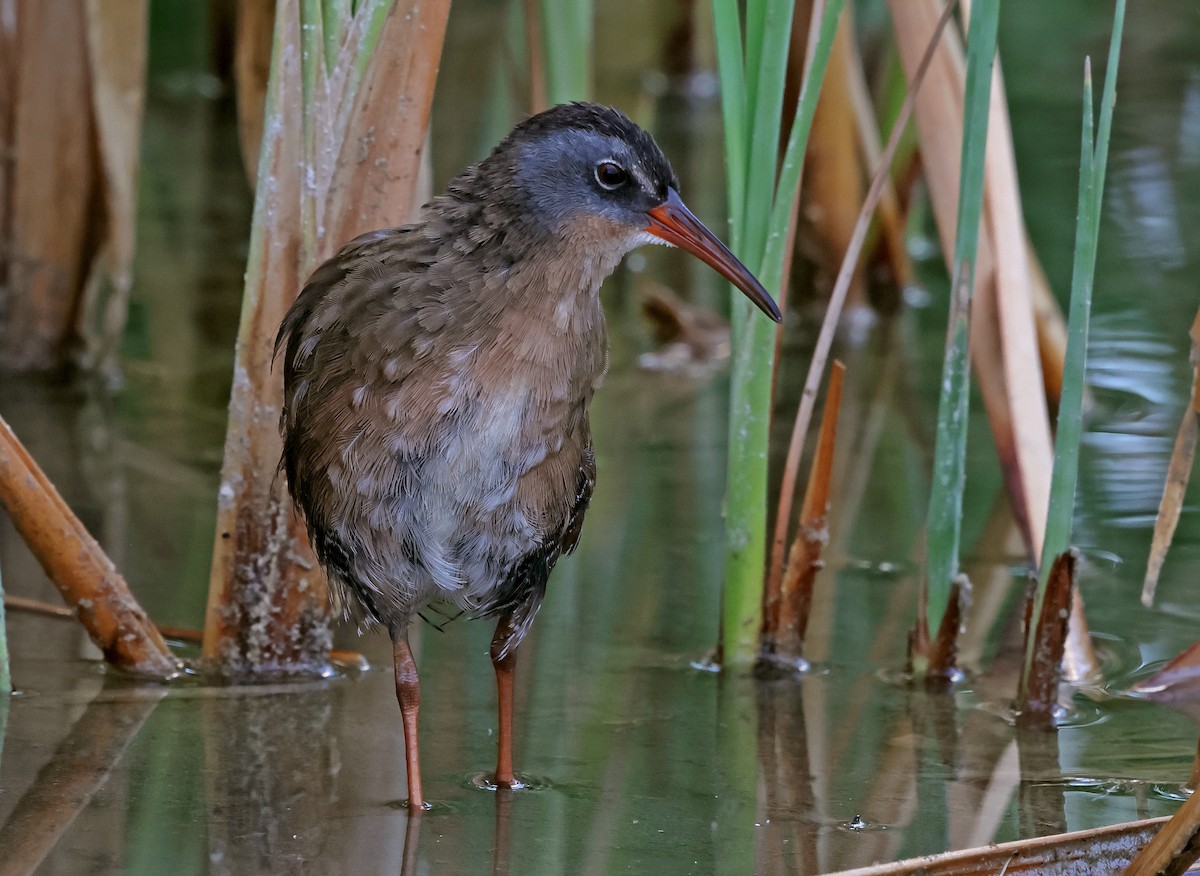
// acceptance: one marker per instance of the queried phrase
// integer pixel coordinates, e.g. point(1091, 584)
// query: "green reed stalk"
point(373, 19)
point(323, 31)
point(950, 448)
point(1093, 161)
point(567, 47)
point(335, 14)
point(752, 73)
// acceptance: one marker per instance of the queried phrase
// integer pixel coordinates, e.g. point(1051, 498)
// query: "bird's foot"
point(487, 781)
point(413, 807)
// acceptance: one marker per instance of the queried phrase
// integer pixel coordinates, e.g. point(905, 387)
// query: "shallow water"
point(646, 762)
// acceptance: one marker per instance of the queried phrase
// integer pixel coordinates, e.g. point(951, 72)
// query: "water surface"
point(649, 763)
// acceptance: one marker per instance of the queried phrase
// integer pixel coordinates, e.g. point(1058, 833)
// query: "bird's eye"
point(611, 175)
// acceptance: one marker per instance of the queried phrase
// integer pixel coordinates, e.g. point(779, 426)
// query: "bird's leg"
point(505, 665)
point(408, 692)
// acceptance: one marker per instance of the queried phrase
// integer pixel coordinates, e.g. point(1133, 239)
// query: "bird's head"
point(587, 172)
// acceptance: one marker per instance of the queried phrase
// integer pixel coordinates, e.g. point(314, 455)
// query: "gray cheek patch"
point(556, 178)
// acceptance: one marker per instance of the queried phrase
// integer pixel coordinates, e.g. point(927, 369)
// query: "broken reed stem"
point(1036, 709)
point(788, 619)
point(837, 300)
point(77, 565)
point(943, 657)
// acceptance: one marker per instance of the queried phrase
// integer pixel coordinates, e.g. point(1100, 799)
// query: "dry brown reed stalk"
point(1178, 679)
point(1080, 663)
point(80, 766)
point(116, 40)
point(341, 157)
point(1098, 850)
point(1037, 711)
point(891, 217)
point(1051, 328)
point(1175, 847)
point(1178, 474)
point(1012, 299)
point(835, 184)
point(48, 181)
point(536, 57)
point(785, 623)
point(253, 29)
point(72, 88)
point(837, 300)
point(86, 578)
point(844, 147)
point(36, 606)
point(864, 418)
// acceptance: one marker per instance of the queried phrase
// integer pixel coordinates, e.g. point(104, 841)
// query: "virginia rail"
point(437, 380)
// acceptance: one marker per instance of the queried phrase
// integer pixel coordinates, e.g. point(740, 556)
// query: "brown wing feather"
point(398, 359)
point(521, 595)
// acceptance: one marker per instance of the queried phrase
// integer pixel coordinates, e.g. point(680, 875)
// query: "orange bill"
point(674, 223)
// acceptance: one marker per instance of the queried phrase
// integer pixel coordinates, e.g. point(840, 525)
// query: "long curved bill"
point(674, 223)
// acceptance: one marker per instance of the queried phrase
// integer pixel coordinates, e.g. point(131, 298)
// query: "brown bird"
point(437, 380)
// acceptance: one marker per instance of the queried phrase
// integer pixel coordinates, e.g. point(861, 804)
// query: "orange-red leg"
point(505, 667)
point(408, 692)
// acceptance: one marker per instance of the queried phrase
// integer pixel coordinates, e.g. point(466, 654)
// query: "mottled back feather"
point(437, 379)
